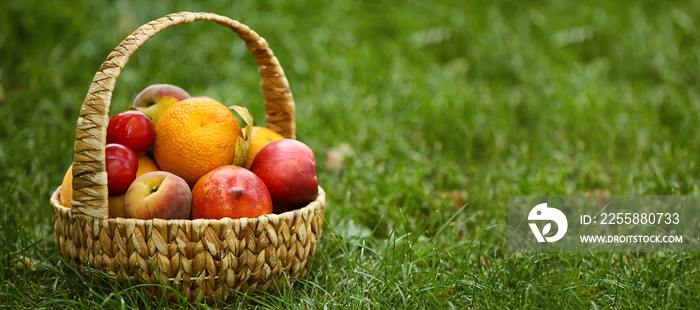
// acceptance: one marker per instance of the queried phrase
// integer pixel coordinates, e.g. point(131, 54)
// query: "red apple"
point(158, 194)
point(133, 129)
point(157, 98)
point(230, 191)
point(288, 168)
point(122, 164)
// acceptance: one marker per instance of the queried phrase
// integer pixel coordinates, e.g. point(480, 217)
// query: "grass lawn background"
point(441, 108)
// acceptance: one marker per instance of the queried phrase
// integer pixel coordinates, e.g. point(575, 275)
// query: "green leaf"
point(243, 142)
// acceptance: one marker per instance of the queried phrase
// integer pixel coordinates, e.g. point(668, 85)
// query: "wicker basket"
point(200, 258)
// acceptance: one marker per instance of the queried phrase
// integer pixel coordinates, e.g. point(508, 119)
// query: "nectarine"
point(288, 168)
point(230, 191)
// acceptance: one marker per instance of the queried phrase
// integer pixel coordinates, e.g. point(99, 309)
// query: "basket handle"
point(89, 172)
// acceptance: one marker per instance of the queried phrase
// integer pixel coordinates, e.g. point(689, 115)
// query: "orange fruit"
point(259, 137)
point(194, 136)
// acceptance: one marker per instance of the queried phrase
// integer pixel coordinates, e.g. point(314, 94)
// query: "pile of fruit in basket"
point(173, 156)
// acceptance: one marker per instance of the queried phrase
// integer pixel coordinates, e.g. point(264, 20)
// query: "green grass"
point(447, 108)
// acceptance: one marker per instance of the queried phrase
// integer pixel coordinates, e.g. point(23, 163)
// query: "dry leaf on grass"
point(335, 157)
point(459, 197)
point(601, 194)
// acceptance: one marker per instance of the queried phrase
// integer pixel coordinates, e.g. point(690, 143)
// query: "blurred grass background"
point(439, 111)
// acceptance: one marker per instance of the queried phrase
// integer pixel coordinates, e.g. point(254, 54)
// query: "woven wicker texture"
point(89, 172)
point(202, 258)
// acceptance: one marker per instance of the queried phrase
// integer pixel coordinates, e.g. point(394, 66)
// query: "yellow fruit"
point(146, 164)
point(261, 136)
point(116, 206)
point(67, 188)
point(115, 203)
point(194, 136)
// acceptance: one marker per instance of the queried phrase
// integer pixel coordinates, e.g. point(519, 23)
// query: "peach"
point(116, 203)
point(230, 191)
point(157, 98)
point(158, 194)
point(288, 168)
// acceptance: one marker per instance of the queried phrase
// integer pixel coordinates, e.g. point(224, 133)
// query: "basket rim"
point(317, 206)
